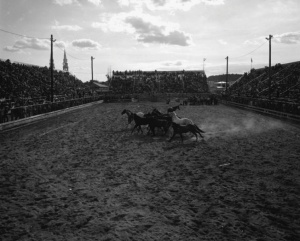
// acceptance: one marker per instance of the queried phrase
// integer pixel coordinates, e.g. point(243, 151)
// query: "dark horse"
point(153, 123)
point(172, 109)
point(180, 129)
point(129, 115)
point(139, 121)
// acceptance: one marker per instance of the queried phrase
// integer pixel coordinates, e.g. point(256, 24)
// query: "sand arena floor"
point(83, 176)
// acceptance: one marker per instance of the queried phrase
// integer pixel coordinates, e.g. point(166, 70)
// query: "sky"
point(150, 34)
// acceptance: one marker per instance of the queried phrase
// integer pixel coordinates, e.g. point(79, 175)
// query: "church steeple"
point(65, 63)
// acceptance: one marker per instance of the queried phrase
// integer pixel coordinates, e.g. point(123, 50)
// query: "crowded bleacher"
point(29, 87)
point(282, 93)
point(22, 82)
point(158, 82)
point(23, 85)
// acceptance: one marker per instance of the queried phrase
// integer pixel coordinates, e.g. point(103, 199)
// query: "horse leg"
point(134, 128)
point(153, 130)
point(196, 136)
point(141, 129)
point(181, 137)
point(166, 130)
point(172, 136)
point(197, 131)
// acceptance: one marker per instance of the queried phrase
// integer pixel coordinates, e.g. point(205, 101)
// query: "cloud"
point(146, 28)
point(169, 5)
point(284, 38)
point(60, 44)
point(172, 64)
point(69, 2)
point(288, 38)
point(64, 2)
point(86, 44)
point(150, 33)
point(11, 49)
point(29, 43)
point(223, 42)
point(256, 41)
point(101, 25)
point(67, 27)
point(95, 2)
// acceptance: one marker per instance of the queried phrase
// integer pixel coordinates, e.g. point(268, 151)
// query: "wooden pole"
point(226, 75)
point(51, 67)
point(269, 82)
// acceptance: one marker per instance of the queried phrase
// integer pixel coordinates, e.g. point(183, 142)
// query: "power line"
point(21, 35)
point(251, 51)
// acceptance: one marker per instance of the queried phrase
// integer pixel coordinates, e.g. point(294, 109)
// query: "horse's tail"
point(199, 129)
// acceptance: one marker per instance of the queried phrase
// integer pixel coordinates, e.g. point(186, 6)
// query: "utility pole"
point(270, 37)
point(92, 58)
point(51, 67)
point(226, 75)
point(203, 64)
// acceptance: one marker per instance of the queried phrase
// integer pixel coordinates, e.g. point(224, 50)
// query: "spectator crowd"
point(158, 82)
point(281, 92)
point(21, 83)
point(28, 85)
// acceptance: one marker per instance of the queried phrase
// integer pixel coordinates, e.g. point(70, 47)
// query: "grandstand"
point(22, 85)
point(21, 82)
point(158, 82)
point(282, 95)
point(285, 83)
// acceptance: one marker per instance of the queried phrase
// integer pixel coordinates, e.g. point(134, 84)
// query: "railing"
point(32, 110)
point(283, 106)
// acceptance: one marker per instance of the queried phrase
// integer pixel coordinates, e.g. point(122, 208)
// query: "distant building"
point(100, 87)
point(65, 63)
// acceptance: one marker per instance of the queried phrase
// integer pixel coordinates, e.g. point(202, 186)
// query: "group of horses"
point(156, 119)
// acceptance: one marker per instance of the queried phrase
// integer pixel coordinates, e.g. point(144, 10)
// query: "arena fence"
point(285, 110)
point(154, 97)
point(22, 112)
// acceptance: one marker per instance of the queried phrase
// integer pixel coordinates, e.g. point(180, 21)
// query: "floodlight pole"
point(51, 67)
point(270, 37)
point(226, 74)
point(92, 58)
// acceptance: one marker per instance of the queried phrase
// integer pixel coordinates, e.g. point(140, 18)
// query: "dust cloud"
point(249, 124)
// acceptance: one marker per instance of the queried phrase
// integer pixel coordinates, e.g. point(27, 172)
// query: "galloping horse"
point(180, 129)
point(183, 121)
point(180, 121)
point(130, 115)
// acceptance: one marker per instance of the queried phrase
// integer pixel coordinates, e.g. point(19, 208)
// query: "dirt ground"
point(83, 176)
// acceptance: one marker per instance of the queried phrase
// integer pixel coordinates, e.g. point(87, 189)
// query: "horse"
point(160, 123)
point(157, 113)
point(183, 121)
point(179, 129)
point(139, 121)
point(172, 109)
point(130, 115)
point(180, 121)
